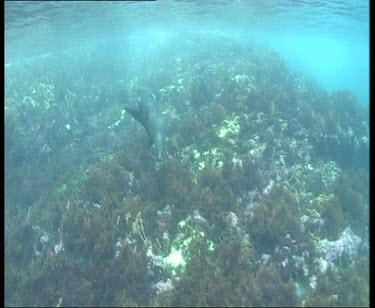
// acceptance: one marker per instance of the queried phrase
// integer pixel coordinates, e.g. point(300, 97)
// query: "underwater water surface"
point(187, 153)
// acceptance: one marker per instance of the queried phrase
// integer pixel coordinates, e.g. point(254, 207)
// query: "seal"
point(151, 119)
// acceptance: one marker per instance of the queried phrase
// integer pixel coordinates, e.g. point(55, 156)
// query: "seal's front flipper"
point(134, 113)
point(150, 142)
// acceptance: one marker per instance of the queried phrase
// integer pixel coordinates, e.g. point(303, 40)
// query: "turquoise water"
point(327, 39)
point(187, 153)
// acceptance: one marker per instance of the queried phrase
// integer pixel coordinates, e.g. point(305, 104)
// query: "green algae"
point(228, 136)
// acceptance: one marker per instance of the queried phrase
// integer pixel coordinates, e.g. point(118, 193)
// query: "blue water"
point(327, 39)
point(239, 123)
